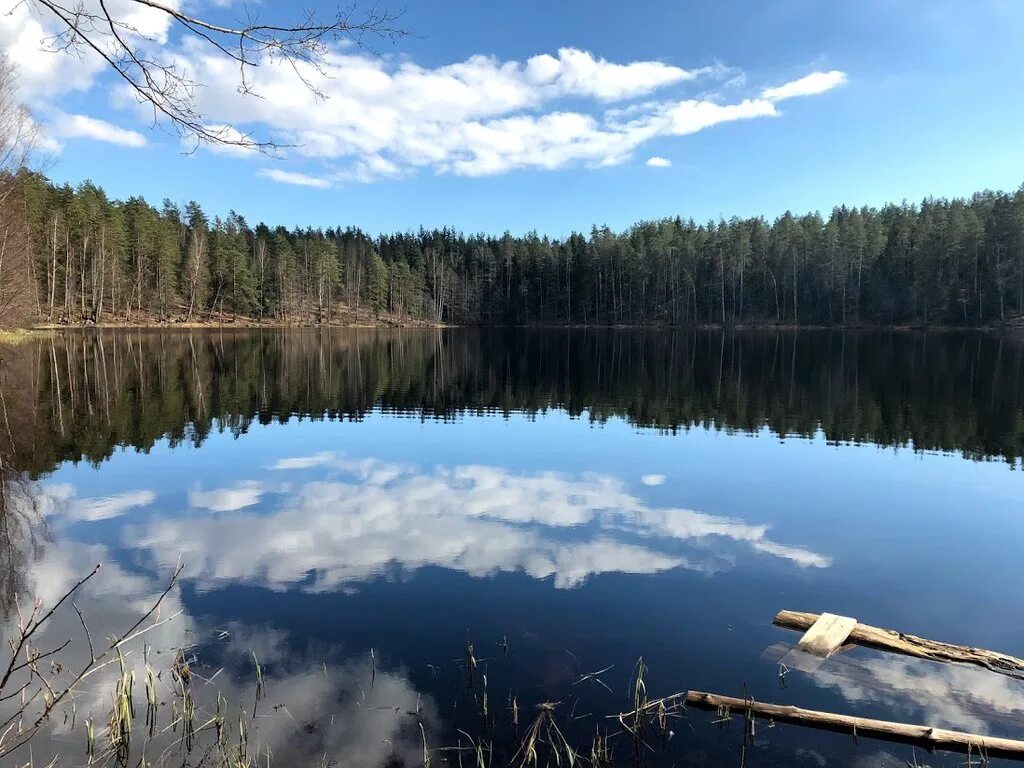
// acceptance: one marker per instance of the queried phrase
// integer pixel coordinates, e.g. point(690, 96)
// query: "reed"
point(119, 726)
point(600, 749)
point(470, 665)
point(544, 732)
point(426, 752)
point(260, 685)
point(513, 708)
point(210, 737)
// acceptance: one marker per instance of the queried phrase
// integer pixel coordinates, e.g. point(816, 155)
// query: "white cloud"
point(45, 74)
point(107, 507)
point(950, 695)
point(483, 116)
point(653, 479)
point(26, 36)
point(692, 116)
point(291, 177)
point(305, 462)
point(802, 557)
point(42, 74)
point(361, 517)
point(479, 117)
point(65, 126)
point(811, 85)
point(233, 142)
point(385, 118)
point(578, 73)
point(227, 499)
point(658, 162)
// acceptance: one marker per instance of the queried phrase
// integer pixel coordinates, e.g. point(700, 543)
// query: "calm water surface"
point(565, 501)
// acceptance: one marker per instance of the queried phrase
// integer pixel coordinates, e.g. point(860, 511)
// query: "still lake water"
point(566, 501)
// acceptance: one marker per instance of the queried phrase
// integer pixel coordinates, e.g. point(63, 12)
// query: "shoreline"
point(250, 325)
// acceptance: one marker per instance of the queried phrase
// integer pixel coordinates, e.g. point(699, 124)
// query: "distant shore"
point(407, 323)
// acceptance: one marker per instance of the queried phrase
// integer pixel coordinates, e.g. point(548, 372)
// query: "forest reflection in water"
point(526, 497)
point(79, 395)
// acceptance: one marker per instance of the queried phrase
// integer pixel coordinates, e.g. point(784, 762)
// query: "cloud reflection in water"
point(355, 518)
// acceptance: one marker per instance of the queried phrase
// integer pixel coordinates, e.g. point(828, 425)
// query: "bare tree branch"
point(156, 78)
point(44, 685)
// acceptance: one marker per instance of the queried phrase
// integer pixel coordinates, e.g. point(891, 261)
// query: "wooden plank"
point(826, 635)
point(911, 645)
point(921, 735)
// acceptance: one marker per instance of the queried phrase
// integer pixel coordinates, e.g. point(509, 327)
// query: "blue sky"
point(461, 124)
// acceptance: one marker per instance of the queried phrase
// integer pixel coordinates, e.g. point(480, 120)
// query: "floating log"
point(826, 635)
point(918, 735)
point(911, 645)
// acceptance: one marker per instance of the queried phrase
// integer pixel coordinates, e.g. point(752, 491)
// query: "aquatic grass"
point(208, 735)
point(600, 749)
point(470, 665)
point(482, 757)
point(484, 703)
point(723, 715)
point(152, 703)
point(595, 677)
point(426, 752)
point(12, 337)
point(119, 726)
point(544, 730)
point(188, 717)
point(549, 741)
point(649, 715)
point(243, 740)
point(260, 685)
point(373, 668)
point(639, 685)
point(90, 739)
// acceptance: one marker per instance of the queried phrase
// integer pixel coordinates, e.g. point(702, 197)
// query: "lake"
point(419, 536)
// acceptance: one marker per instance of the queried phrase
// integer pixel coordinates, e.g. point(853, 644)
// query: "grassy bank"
point(11, 337)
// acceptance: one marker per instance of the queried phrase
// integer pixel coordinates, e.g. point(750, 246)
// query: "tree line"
point(91, 259)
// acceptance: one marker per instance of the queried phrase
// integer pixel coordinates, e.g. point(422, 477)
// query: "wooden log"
point(826, 635)
point(969, 695)
point(912, 645)
point(918, 735)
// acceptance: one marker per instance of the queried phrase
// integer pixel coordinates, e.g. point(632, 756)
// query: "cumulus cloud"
point(653, 479)
point(65, 126)
point(358, 518)
point(26, 36)
point(659, 162)
point(385, 117)
point(479, 117)
point(227, 499)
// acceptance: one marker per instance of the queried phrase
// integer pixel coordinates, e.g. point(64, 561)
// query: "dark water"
point(566, 502)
